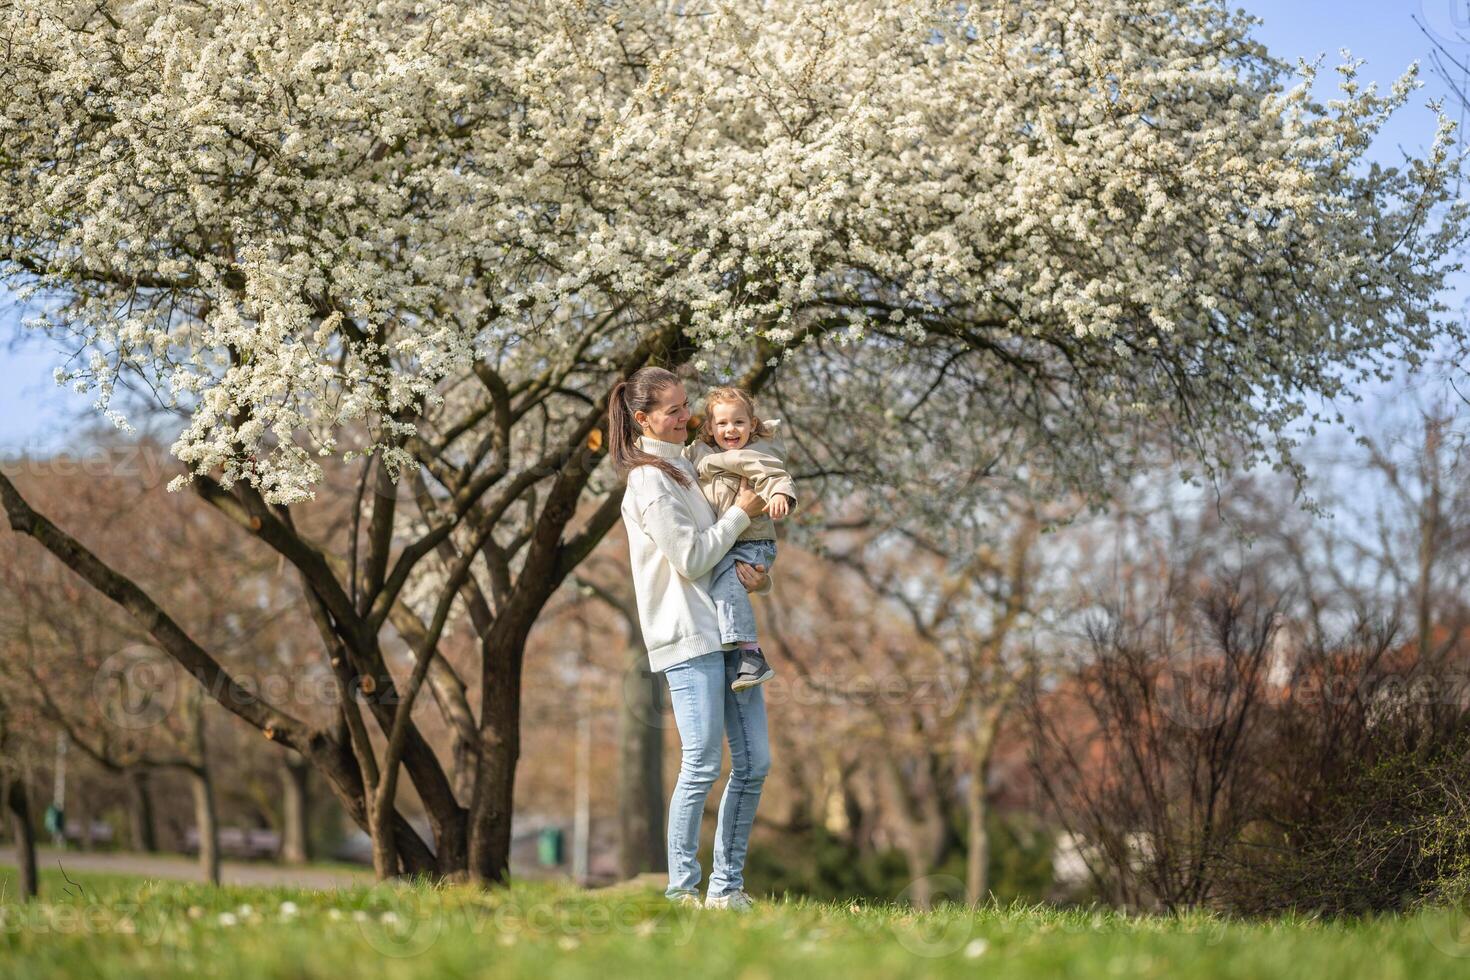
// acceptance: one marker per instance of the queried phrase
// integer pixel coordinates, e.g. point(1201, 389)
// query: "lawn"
point(134, 927)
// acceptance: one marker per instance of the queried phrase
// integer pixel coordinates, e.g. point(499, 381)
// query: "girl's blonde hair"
point(717, 396)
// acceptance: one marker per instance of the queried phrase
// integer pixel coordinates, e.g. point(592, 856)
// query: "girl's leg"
point(732, 602)
point(696, 691)
point(754, 668)
point(750, 760)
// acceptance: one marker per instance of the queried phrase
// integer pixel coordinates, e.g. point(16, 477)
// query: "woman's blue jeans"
point(705, 709)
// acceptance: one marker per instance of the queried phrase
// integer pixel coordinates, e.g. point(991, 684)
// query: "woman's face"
point(668, 420)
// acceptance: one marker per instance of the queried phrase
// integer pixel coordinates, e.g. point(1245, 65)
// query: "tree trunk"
point(140, 811)
point(84, 816)
point(204, 819)
point(335, 760)
point(1429, 543)
point(436, 792)
point(582, 799)
point(918, 818)
point(18, 803)
point(500, 748)
point(921, 885)
point(977, 858)
point(201, 783)
point(978, 838)
point(295, 847)
point(465, 754)
point(833, 810)
point(385, 850)
point(640, 772)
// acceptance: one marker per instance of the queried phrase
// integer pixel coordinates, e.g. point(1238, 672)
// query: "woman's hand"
point(753, 577)
point(748, 500)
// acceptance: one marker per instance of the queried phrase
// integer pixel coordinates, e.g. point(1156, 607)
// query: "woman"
point(674, 540)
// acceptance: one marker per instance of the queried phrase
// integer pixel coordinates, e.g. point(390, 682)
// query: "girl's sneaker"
point(736, 901)
point(753, 670)
point(689, 899)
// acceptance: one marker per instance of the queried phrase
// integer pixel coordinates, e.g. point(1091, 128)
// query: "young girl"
point(733, 443)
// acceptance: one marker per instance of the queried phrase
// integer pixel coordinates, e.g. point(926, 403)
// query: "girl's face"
point(731, 425)
point(668, 420)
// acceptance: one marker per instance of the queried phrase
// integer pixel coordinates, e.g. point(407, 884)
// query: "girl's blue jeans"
point(705, 709)
point(732, 602)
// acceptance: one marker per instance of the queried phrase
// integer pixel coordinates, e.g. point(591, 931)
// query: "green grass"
point(134, 927)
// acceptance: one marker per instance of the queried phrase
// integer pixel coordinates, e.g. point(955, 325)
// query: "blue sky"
point(1381, 31)
point(36, 415)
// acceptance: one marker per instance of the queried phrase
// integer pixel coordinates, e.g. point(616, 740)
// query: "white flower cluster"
point(295, 216)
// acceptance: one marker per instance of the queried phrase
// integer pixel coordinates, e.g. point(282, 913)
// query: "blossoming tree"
point(430, 235)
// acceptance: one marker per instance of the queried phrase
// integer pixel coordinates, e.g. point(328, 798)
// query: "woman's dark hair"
point(638, 393)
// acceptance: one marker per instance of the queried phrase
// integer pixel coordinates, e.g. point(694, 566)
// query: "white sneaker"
point(687, 899)
point(736, 901)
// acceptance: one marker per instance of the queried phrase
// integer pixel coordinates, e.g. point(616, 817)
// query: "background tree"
point(1152, 777)
point(964, 601)
point(641, 724)
point(16, 800)
point(92, 675)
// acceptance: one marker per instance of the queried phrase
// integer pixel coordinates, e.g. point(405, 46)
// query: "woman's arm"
point(666, 520)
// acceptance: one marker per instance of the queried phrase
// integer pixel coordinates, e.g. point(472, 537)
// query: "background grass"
point(135, 927)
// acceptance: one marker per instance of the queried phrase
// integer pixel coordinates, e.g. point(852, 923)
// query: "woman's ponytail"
point(622, 431)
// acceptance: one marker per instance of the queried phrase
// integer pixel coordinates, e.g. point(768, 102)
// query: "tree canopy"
point(292, 217)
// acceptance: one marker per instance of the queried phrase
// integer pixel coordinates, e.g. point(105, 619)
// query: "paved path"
point(187, 869)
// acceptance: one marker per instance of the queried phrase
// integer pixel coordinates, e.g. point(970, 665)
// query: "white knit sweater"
point(674, 542)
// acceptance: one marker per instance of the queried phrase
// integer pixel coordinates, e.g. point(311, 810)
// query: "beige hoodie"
point(762, 461)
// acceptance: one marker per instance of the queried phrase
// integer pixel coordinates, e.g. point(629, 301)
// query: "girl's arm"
point(666, 519)
point(696, 451)
point(765, 470)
